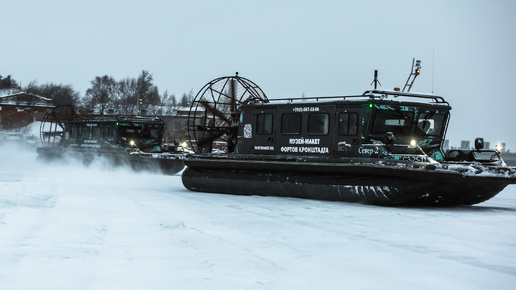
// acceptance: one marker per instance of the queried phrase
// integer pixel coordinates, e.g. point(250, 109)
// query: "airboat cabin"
point(370, 125)
point(125, 132)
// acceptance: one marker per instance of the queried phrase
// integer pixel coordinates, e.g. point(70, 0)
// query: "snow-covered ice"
point(70, 227)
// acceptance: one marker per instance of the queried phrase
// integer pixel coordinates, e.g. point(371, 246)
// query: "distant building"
point(18, 109)
point(464, 144)
point(487, 145)
point(446, 144)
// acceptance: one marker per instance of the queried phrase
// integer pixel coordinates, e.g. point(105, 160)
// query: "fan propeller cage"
point(52, 127)
point(214, 115)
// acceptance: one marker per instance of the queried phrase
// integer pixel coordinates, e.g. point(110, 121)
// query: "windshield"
point(140, 131)
point(399, 122)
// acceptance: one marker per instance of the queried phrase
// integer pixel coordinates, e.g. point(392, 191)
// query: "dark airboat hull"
point(165, 163)
point(369, 181)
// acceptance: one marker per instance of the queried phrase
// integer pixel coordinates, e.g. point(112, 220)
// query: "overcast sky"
point(319, 48)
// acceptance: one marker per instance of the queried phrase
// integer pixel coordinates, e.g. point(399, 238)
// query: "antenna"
point(375, 80)
point(433, 67)
point(415, 70)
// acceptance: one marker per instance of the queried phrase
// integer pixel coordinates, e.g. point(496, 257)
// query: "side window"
point(318, 123)
point(107, 132)
point(264, 124)
point(154, 133)
point(75, 132)
point(429, 124)
point(85, 132)
point(95, 133)
point(348, 123)
point(291, 123)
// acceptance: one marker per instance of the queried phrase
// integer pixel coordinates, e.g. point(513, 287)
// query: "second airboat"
point(68, 134)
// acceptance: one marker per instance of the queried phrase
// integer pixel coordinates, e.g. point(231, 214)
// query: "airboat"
point(68, 134)
point(380, 147)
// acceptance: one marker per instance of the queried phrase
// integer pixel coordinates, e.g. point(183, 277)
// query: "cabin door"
point(348, 128)
point(263, 139)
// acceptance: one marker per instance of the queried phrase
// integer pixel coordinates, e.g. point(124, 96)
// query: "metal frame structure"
point(52, 126)
point(215, 111)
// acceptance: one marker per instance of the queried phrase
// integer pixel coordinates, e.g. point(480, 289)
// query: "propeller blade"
point(214, 111)
point(209, 137)
point(233, 95)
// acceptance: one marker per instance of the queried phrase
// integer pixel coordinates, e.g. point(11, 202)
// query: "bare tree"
point(60, 94)
point(8, 83)
point(31, 87)
point(169, 102)
point(128, 96)
point(103, 91)
point(147, 93)
point(184, 100)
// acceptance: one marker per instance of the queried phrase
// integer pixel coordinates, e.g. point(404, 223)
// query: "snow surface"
point(70, 227)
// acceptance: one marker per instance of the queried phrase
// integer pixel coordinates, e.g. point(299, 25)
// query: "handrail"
point(371, 95)
point(436, 98)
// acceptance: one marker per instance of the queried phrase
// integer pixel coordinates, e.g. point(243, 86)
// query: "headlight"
point(413, 143)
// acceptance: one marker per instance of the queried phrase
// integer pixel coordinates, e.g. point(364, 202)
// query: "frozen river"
point(69, 227)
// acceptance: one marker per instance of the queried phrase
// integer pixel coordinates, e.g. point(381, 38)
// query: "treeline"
point(106, 95)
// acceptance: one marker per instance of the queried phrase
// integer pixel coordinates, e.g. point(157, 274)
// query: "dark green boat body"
point(343, 149)
point(120, 141)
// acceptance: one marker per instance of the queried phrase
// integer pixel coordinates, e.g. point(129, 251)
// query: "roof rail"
point(317, 98)
point(370, 95)
point(137, 118)
point(384, 94)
